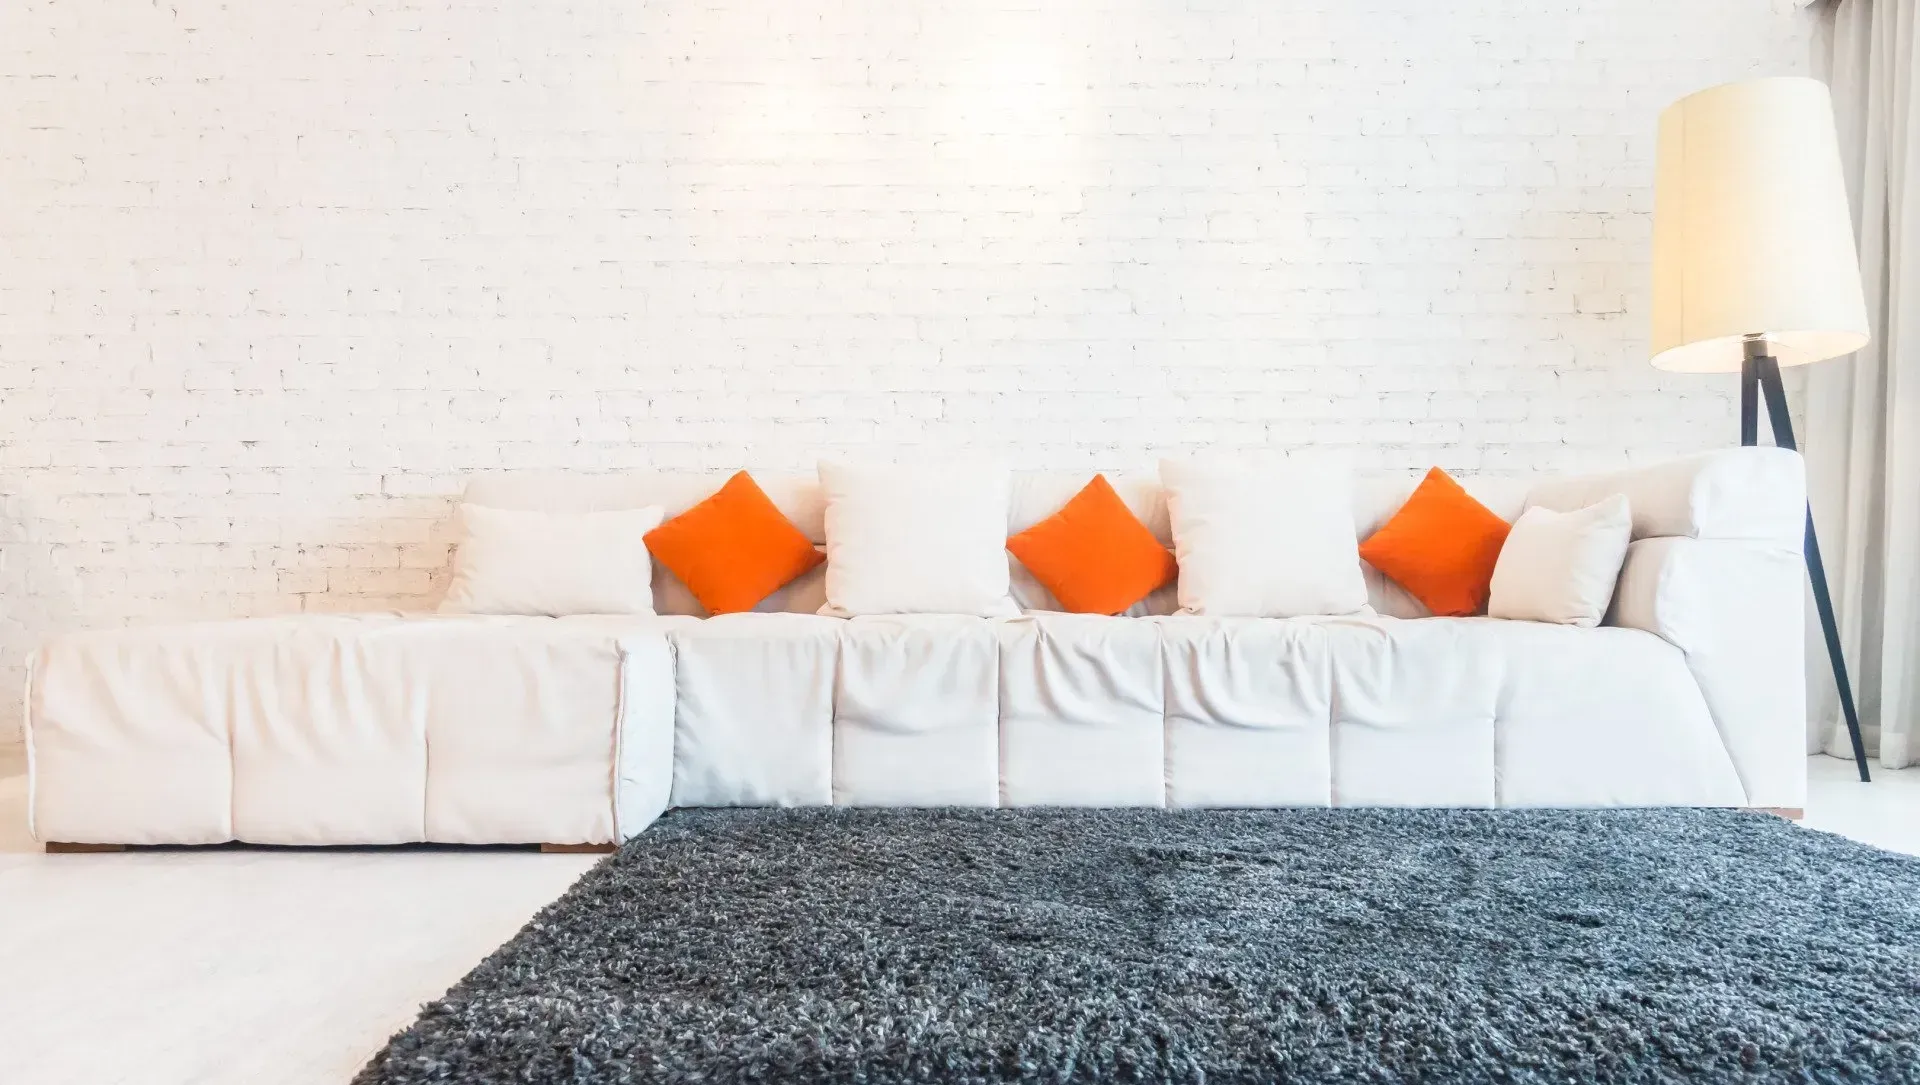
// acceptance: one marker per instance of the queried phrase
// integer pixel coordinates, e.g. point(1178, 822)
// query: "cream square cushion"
point(1561, 566)
point(517, 561)
point(916, 539)
point(1264, 538)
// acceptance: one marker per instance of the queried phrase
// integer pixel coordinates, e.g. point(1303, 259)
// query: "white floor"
point(251, 966)
point(1884, 813)
point(241, 966)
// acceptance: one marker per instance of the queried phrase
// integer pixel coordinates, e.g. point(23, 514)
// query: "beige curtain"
point(1862, 437)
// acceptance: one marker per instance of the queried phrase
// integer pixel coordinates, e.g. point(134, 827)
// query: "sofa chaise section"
point(364, 729)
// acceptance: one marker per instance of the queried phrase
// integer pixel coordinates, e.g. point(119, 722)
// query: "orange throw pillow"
point(733, 549)
point(1094, 555)
point(1441, 546)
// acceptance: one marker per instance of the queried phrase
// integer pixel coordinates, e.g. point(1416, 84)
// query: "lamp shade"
point(1751, 231)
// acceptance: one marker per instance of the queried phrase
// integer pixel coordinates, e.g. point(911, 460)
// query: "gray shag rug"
point(1032, 946)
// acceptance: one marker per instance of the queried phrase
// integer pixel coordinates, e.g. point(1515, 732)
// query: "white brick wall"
point(274, 276)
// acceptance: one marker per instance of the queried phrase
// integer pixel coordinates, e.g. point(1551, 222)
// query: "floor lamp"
point(1754, 266)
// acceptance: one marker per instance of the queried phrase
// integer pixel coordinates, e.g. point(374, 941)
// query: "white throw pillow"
point(1561, 566)
point(916, 539)
point(516, 561)
point(1264, 540)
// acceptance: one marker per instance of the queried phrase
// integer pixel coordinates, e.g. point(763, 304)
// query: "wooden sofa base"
point(1791, 813)
point(58, 847)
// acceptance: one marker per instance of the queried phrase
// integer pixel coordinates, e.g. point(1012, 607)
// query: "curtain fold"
point(1862, 438)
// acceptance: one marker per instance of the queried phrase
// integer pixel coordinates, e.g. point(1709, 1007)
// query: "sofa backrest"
point(1036, 495)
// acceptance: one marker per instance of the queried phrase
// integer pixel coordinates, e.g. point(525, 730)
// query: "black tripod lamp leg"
point(1823, 602)
point(1749, 403)
point(1767, 370)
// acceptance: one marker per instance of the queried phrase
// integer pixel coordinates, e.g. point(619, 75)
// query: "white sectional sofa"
point(392, 728)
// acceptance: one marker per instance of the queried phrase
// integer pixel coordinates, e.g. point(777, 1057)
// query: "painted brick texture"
point(274, 277)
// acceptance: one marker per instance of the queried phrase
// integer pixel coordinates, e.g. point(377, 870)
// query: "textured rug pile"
point(1145, 946)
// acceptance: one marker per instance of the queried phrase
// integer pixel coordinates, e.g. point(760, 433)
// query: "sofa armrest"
point(1715, 569)
point(1751, 494)
point(1734, 609)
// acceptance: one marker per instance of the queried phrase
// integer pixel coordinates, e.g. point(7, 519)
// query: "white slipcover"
point(753, 698)
point(390, 728)
point(1248, 705)
point(368, 729)
point(1081, 711)
point(941, 753)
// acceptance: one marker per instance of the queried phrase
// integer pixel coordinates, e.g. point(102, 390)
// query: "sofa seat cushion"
point(753, 719)
point(1248, 702)
point(1414, 708)
point(1602, 717)
point(526, 720)
point(916, 712)
point(1480, 711)
point(1082, 704)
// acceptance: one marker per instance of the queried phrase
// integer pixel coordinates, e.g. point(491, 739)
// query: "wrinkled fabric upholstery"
point(387, 728)
point(941, 752)
point(1081, 709)
point(754, 710)
point(1248, 703)
point(369, 729)
point(1734, 610)
point(390, 730)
